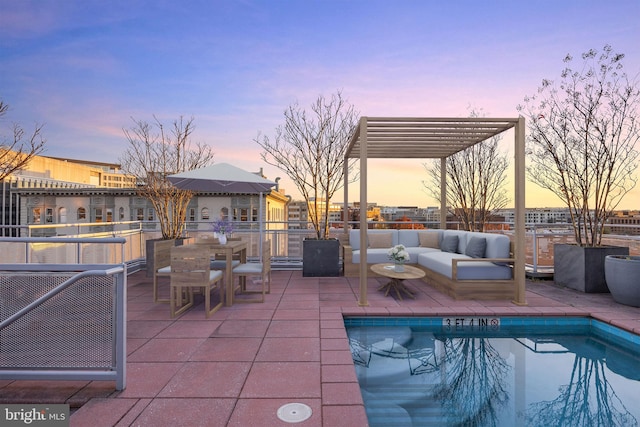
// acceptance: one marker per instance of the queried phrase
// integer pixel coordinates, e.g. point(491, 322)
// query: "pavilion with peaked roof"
point(435, 138)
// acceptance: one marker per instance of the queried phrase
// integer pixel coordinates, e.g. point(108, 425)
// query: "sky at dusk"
point(85, 68)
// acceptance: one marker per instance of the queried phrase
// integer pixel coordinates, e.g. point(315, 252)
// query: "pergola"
point(434, 138)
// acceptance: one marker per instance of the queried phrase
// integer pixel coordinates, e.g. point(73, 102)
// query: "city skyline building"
point(58, 191)
point(52, 190)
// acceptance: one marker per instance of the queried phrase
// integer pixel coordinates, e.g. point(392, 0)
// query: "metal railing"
point(286, 239)
point(64, 322)
point(64, 250)
point(541, 239)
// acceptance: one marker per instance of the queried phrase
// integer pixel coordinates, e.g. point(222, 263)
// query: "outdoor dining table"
point(228, 250)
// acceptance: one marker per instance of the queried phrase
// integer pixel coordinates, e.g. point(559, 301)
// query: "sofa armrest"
point(455, 261)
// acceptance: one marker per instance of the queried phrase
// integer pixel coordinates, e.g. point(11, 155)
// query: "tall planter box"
point(320, 258)
point(582, 268)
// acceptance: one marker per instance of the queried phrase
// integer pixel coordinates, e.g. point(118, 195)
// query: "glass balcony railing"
point(286, 241)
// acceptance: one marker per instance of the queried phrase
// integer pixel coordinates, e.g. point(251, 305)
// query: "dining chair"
point(262, 269)
point(162, 265)
point(190, 270)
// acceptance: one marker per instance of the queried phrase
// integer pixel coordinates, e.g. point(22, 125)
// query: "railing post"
point(535, 250)
point(121, 329)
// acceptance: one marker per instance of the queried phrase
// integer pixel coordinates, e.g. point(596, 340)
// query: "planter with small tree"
point(153, 154)
point(310, 148)
point(582, 139)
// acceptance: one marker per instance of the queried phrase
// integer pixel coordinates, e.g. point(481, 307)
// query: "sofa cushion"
point(415, 251)
point(408, 238)
point(374, 256)
point(354, 237)
point(429, 239)
point(449, 244)
point(476, 247)
point(462, 238)
point(380, 240)
point(441, 262)
point(498, 245)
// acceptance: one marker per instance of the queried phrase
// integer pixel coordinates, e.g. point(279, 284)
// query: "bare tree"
point(18, 150)
point(310, 149)
point(153, 154)
point(583, 131)
point(588, 399)
point(476, 179)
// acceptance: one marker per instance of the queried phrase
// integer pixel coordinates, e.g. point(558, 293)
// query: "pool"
point(500, 371)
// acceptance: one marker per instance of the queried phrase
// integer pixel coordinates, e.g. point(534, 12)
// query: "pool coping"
point(597, 327)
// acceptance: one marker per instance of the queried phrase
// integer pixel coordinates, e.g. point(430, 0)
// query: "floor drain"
point(294, 412)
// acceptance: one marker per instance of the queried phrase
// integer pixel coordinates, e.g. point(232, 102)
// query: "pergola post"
point(363, 213)
point(345, 207)
point(443, 193)
point(519, 220)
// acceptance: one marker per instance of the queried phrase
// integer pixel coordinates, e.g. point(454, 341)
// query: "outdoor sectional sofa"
point(463, 264)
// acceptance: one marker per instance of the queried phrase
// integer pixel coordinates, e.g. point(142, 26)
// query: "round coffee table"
point(397, 278)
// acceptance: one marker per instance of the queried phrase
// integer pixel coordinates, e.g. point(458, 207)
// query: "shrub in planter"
point(580, 151)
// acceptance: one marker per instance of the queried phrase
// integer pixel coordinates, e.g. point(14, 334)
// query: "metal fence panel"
point(63, 322)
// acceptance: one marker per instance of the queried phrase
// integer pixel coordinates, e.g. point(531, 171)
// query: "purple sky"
point(84, 68)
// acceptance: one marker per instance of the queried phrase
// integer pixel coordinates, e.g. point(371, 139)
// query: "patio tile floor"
point(244, 362)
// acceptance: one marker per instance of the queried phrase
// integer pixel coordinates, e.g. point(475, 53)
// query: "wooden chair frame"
point(263, 269)
point(190, 270)
point(161, 266)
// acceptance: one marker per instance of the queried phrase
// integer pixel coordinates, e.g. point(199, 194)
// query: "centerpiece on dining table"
point(399, 255)
point(222, 229)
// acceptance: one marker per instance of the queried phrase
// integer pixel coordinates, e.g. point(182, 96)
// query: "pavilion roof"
point(427, 138)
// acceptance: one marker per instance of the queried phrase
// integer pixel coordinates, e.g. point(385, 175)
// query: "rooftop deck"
point(238, 367)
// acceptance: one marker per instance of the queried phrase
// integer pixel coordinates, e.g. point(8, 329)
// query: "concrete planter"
point(582, 268)
point(623, 278)
point(320, 258)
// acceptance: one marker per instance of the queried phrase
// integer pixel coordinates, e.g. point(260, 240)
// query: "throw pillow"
point(380, 240)
point(449, 244)
point(476, 247)
point(429, 240)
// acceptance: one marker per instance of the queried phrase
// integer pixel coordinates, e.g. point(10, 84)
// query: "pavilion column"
point(443, 193)
point(363, 213)
point(519, 220)
point(345, 207)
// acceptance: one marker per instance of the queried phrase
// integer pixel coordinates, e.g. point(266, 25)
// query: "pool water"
point(496, 371)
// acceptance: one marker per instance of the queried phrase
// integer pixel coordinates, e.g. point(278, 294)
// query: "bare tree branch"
point(18, 150)
point(310, 149)
point(583, 134)
point(155, 153)
point(476, 179)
